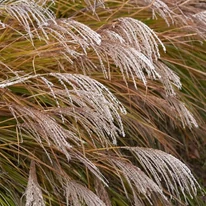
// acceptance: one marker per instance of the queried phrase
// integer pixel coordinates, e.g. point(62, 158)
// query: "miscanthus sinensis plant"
point(91, 107)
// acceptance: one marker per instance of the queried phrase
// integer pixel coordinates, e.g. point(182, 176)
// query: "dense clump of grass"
point(101, 102)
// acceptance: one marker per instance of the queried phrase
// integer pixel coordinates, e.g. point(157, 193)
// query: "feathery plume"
point(83, 31)
point(163, 10)
point(77, 194)
point(163, 166)
point(159, 7)
point(113, 36)
point(201, 17)
point(28, 13)
point(96, 101)
point(93, 4)
point(17, 79)
point(131, 62)
point(200, 22)
point(33, 191)
point(139, 182)
point(71, 35)
point(185, 115)
point(102, 192)
point(95, 104)
point(43, 2)
point(42, 126)
point(168, 78)
point(138, 35)
point(133, 47)
point(76, 155)
point(71, 32)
